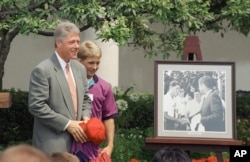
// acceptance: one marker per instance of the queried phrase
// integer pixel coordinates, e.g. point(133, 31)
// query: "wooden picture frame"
point(176, 122)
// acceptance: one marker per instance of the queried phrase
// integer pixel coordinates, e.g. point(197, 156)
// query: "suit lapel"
point(62, 82)
point(206, 101)
point(208, 97)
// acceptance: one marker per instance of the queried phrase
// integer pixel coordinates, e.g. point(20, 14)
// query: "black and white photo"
point(194, 99)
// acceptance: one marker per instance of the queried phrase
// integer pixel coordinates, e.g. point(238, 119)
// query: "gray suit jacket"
point(212, 113)
point(51, 104)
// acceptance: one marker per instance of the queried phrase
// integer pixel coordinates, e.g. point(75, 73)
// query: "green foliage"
point(129, 143)
point(133, 124)
point(136, 110)
point(243, 116)
point(237, 13)
point(200, 154)
point(16, 121)
point(129, 22)
point(243, 105)
point(243, 130)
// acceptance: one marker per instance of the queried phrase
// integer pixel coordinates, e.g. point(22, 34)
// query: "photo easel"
point(191, 50)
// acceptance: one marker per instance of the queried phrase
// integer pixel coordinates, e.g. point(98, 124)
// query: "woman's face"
point(176, 90)
point(92, 65)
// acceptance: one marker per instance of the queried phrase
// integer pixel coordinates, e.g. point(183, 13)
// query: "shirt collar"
point(61, 61)
point(93, 81)
point(208, 93)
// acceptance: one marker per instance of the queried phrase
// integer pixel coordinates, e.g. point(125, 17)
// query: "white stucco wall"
point(125, 66)
point(27, 51)
point(135, 69)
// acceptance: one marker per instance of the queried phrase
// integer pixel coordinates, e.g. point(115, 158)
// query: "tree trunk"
point(6, 37)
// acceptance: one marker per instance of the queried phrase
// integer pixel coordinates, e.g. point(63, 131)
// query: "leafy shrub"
point(16, 121)
point(136, 110)
point(243, 116)
point(131, 144)
point(134, 123)
point(243, 104)
point(243, 130)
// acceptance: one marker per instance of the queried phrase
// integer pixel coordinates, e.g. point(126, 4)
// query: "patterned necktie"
point(72, 87)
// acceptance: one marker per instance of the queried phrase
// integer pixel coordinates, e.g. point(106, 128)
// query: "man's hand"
point(183, 121)
point(85, 119)
point(76, 131)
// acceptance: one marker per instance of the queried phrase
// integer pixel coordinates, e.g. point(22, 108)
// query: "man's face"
point(181, 92)
point(69, 47)
point(92, 65)
point(201, 88)
point(176, 90)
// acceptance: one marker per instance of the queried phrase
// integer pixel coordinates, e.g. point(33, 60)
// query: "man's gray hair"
point(63, 29)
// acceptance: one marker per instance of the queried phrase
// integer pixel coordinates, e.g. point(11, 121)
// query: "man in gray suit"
point(212, 109)
point(56, 120)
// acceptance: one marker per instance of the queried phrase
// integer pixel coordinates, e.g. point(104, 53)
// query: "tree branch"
point(13, 33)
point(85, 27)
point(51, 33)
point(45, 33)
point(13, 12)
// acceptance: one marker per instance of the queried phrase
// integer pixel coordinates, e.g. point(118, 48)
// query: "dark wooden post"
point(5, 100)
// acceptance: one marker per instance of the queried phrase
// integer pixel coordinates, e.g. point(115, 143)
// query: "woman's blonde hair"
point(89, 49)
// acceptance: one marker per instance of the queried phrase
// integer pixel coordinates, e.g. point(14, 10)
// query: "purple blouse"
point(103, 107)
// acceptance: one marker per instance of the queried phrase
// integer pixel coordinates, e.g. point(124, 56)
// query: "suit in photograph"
point(212, 113)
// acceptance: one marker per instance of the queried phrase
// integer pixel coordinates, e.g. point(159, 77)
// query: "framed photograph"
point(195, 99)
